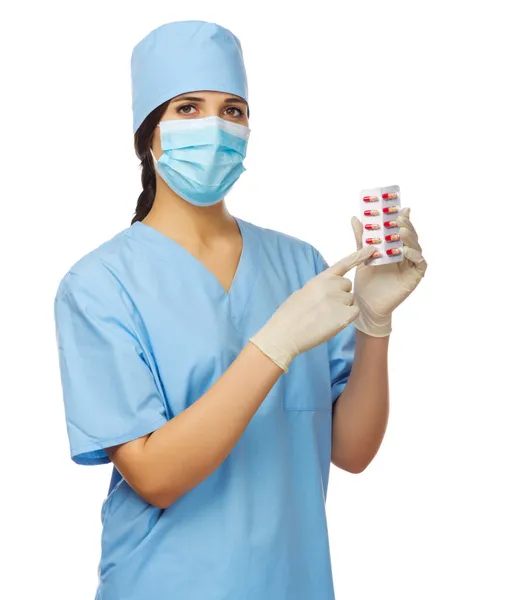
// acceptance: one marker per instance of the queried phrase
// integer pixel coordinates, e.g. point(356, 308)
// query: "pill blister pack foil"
point(378, 208)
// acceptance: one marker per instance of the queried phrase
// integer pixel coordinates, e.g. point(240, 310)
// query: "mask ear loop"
point(152, 152)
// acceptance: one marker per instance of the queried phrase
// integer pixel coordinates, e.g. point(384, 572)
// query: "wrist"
point(379, 327)
point(261, 361)
point(272, 351)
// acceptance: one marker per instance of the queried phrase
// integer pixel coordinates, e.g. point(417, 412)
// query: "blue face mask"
point(202, 158)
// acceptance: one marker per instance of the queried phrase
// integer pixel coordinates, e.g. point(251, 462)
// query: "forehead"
point(209, 96)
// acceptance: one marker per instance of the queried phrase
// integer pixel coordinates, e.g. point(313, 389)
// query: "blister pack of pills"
point(378, 208)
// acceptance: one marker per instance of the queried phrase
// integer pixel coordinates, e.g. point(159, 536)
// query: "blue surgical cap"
point(181, 57)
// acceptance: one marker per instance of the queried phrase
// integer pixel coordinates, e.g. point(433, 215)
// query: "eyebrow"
point(232, 100)
point(189, 99)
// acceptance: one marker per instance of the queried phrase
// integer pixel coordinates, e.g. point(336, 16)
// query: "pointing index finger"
point(353, 260)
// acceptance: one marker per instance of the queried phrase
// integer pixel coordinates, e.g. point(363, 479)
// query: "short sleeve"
point(341, 347)
point(110, 395)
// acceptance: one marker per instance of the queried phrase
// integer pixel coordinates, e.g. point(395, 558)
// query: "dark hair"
point(142, 144)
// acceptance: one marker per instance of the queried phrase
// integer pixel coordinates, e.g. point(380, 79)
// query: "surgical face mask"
point(202, 158)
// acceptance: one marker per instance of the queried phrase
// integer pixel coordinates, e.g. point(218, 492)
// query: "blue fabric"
point(202, 158)
point(181, 57)
point(144, 330)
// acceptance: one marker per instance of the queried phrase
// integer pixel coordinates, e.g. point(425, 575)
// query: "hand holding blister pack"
point(387, 228)
point(378, 209)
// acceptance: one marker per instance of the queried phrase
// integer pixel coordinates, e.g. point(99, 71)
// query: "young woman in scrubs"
point(210, 359)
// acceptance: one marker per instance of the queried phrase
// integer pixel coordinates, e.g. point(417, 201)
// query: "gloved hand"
point(379, 290)
point(313, 314)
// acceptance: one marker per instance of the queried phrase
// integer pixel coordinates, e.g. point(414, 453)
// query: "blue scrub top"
point(144, 329)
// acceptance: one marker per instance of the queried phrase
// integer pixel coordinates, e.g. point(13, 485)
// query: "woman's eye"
point(231, 111)
point(186, 109)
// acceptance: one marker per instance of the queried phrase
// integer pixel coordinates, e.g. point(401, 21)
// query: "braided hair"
point(142, 144)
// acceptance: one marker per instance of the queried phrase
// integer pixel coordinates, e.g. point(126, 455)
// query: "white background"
point(343, 96)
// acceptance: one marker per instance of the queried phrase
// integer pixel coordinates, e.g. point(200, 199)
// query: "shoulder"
point(284, 245)
point(98, 269)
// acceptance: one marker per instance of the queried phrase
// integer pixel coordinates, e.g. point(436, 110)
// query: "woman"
point(210, 360)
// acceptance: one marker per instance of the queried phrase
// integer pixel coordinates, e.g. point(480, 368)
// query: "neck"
point(186, 222)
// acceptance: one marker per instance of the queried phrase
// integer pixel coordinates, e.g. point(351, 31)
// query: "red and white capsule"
point(394, 251)
point(390, 196)
point(390, 224)
point(370, 213)
point(372, 226)
point(394, 237)
point(370, 198)
point(373, 241)
point(391, 209)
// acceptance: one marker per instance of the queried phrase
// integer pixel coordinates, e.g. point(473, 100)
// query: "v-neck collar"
point(234, 301)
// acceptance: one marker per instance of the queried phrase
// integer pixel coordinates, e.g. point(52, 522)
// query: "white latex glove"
point(379, 290)
point(312, 314)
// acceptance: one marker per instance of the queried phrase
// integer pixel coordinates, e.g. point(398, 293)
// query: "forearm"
point(360, 414)
point(192, 445)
